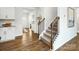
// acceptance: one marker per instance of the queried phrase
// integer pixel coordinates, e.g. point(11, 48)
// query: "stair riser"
point(46, 42)
point(47, 36)
point(53, 32)
point(55, 25)
point(53, 29)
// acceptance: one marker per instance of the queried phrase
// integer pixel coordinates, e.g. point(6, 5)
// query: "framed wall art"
point(71, 17)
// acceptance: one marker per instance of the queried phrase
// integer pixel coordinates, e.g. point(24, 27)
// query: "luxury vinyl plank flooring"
point(29, 42)
point(72, 45)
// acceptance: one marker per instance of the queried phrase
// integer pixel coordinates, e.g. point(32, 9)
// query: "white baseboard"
point(6, 40)
point(41, 34)
point(64, 42)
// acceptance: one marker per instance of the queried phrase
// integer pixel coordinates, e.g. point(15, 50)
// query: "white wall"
point(33, 22)
point(18, 19)
point(48, 13)
point(65, 33)
point(77, 20)
point(21, 20)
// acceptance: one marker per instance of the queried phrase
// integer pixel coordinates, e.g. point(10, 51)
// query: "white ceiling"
point(30, 9)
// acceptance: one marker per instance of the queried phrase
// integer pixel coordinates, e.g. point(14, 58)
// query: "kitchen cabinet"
point(7, 13)
point(2, 34)
point(7, 33)
point(10, 33)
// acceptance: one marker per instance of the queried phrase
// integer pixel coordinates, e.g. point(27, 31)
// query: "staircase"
point(50, 34)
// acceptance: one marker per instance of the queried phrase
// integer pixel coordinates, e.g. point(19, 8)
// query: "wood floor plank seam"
point(26, 43)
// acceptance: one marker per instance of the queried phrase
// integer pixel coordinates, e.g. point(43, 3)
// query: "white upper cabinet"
point(2, 13)
point(7, 13)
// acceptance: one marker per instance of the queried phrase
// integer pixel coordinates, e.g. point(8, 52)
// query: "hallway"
point(72, 45)
point(29, 42)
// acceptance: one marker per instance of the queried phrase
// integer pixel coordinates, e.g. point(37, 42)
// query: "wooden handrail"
point(56, 19)
point(41, 21)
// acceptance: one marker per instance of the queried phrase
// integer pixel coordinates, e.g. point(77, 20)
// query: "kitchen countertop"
point(6, 27)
